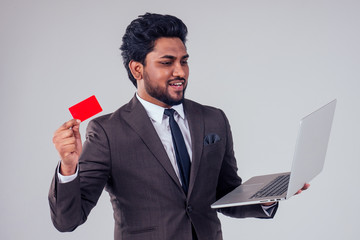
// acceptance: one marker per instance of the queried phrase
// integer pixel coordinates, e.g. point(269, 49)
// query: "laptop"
point(308, 161)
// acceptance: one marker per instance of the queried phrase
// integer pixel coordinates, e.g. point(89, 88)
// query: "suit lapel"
point(196, 124)
point(138, 119)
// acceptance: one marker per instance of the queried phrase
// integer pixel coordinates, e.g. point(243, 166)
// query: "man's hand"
point(67, 141)
point(306, 186)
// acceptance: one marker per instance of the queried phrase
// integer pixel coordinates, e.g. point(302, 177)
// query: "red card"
point(85, 109)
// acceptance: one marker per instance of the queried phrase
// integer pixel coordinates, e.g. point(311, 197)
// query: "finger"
point(69, 124)
point(305, 187)
point(61, 135)
point(64, 145)
point(76, 131)
point(66, 134)
point(68, 141)
point(268, 203)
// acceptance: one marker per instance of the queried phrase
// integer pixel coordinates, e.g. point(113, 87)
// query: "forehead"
point(169, 46)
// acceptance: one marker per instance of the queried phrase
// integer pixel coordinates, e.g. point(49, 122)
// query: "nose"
point(179, 70)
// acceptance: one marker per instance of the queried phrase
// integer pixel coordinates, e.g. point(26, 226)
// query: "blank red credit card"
point(85, 109)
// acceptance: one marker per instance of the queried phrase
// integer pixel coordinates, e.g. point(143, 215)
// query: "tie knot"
point(169, 112)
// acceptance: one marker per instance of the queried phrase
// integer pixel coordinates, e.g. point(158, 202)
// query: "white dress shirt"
point(160, 122)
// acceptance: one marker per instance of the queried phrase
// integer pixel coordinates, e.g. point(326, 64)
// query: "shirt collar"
point(156, 112)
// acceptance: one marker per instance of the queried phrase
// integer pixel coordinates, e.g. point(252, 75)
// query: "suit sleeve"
point(229, 180)
point(71, 203)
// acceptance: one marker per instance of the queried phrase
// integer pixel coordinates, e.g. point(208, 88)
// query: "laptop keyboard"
point(275, 188)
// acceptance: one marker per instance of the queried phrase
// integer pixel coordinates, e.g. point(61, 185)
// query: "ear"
point(136, 69)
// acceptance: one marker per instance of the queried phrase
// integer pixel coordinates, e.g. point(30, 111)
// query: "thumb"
point(76, 130)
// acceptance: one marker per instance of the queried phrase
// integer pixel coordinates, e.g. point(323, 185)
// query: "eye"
point(166, 63)
point(184, 62)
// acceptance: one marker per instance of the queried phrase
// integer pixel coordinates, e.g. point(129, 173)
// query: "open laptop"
point(309, 157)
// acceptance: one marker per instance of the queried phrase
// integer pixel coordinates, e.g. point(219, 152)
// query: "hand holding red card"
point(85, 109)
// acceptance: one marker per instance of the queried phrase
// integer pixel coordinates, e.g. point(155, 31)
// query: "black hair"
point(141, 34)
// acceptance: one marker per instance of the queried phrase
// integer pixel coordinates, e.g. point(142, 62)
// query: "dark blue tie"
point(182, 155)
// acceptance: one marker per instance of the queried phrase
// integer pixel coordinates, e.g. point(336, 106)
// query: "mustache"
point(177, 78)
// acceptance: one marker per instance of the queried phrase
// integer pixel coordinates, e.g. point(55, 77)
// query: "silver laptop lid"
point(311, 146)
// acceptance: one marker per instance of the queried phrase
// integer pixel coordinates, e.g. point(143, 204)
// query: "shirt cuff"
point(269, 209)
point(66, 179)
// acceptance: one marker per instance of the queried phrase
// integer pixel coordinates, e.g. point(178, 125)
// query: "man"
point(162, 168)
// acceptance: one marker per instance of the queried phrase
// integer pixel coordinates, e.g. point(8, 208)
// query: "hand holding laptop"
point(309, 157)
point(306, 186)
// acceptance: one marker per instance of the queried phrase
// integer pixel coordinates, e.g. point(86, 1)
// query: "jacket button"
point(189, 209)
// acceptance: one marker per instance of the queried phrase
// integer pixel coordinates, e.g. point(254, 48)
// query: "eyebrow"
point(172, 57)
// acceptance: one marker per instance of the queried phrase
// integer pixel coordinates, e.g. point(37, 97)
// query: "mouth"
point(177, 84)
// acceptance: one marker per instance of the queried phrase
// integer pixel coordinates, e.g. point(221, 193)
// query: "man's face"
point(165, 73)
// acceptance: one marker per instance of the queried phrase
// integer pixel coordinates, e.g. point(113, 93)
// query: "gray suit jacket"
point(124, 154)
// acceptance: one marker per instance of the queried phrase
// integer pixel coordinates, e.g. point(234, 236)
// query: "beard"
point(162, 94)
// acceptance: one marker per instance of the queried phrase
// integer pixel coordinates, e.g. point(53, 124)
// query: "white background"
point(265, 63)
